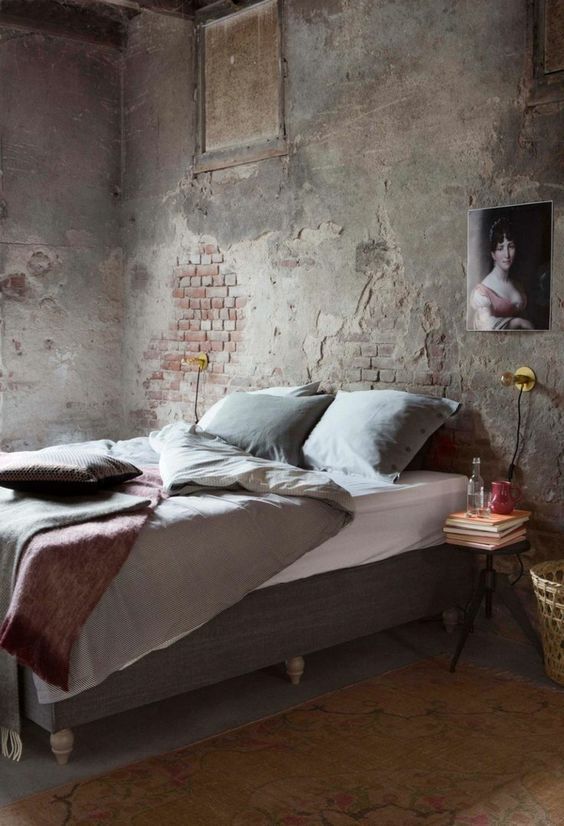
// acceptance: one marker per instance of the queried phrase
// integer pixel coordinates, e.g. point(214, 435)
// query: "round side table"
point(491, 581)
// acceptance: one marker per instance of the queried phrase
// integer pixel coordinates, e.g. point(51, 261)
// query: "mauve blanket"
point(23, 518)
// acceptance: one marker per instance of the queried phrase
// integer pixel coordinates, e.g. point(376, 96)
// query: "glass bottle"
point(475, 498)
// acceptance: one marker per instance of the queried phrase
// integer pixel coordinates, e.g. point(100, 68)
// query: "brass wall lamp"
point(200, 361)
point(523, 379)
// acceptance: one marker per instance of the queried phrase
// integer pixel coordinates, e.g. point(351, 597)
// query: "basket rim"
point(543, 567)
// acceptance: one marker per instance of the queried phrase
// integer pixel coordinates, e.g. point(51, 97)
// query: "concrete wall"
point(350, 253)
point(61, 312)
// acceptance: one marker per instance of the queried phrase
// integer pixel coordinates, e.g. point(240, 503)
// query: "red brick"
point(196, 292)
point(216, 345)
point(178, 293)
point(155, 394)
point(210, 249)
point(217, 378)
point(236, 336)
point(184, 303)
point(241, 301)
point(216, 302)
point(388, 376)
point(206, 303)
point(195, 303)
point(208, 269)
point(196, 335)
point(230, 346)
point(216, 292)
point(185, 271)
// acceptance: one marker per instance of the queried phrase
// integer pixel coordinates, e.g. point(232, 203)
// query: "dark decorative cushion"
point(272, 427)
point(375, 433)
point(63, 471)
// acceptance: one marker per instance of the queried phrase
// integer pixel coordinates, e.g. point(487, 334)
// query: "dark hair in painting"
point(500, 229)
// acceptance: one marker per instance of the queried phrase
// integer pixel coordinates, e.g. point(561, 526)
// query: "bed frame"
point(280, 623)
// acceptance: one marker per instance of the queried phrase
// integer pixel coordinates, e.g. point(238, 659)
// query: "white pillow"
point(299, 390)
point(374, 433)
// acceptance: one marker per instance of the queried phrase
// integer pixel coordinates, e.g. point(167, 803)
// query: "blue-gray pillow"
point(375, 433)
point(271, 427)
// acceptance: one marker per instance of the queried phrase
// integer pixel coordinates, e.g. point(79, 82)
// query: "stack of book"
point(489, 532)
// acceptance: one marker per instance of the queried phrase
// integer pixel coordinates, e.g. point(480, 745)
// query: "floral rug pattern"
point(414, 746)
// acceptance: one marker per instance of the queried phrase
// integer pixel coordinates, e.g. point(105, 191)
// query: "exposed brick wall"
point(209, 309)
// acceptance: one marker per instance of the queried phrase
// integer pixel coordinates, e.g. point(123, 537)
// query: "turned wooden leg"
point(295, 669)
point(450, 619)
point(61, 745)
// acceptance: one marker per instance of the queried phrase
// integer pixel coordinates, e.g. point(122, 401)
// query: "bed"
point(387, 567)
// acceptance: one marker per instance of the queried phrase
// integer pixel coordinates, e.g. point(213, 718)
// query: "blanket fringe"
point(12, 745)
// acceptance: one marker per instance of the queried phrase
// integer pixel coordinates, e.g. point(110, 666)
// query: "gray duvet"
point(231, 522)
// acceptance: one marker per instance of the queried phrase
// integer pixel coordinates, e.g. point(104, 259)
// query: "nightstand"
point(492, 582)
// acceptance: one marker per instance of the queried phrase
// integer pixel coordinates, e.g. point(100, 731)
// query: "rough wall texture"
point(352, 250)
point(60, 261)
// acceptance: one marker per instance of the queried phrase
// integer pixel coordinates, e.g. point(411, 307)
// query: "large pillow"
point(374, 433)
point(298, 390)
point(63, 471)
point(272, 427)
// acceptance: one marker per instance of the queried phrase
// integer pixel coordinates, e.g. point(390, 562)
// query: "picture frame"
point(509, 269)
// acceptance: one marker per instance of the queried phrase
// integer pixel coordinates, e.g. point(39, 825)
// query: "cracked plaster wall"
point(61, 313)
point(352, 250)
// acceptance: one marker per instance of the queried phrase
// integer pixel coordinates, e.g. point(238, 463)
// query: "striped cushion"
point(63, 471)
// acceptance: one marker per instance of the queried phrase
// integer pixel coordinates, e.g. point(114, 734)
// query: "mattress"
point(389, 519)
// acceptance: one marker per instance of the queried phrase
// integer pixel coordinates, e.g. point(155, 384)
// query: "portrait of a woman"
point(508, 286)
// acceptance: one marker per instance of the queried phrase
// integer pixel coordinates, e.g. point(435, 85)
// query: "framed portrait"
point(509, 268)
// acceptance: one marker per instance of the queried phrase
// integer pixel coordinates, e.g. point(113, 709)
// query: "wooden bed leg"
point(61, 745)
point(294, 669)
point(450, 619)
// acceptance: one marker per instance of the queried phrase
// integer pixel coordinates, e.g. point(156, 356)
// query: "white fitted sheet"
point(389, 520)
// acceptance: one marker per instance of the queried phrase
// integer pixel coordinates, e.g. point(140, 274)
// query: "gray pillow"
point(63, 471)
point(296, 390)
point(272, 427)
point(375, 433)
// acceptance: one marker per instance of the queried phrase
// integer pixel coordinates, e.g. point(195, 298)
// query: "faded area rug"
point(418, 745)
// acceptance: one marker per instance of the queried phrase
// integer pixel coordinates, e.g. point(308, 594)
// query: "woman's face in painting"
point(504, 254)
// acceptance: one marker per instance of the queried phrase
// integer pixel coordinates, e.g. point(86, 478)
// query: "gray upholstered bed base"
point(271, 625)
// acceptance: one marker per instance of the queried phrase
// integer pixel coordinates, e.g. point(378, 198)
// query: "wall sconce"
point(523, 379)
point(200, 361)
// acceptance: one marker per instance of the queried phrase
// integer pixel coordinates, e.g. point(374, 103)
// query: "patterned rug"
point(418, 745)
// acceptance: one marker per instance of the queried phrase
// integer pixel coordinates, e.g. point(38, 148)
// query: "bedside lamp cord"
point(512, 465)
point(196, 399)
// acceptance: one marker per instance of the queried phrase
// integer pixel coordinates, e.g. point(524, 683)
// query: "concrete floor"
point(171, 724)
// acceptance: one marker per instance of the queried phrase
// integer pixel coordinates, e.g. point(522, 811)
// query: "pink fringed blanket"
point(62, 575)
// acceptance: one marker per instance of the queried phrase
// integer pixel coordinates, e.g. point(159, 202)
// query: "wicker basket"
point(548, 582)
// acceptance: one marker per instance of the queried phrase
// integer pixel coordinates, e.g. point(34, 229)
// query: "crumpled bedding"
point(230, 523)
